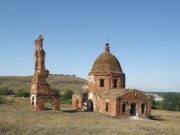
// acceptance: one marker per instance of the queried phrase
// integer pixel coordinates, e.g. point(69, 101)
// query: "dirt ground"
point(18, 119)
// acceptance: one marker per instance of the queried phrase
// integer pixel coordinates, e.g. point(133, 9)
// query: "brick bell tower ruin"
point(40, 89)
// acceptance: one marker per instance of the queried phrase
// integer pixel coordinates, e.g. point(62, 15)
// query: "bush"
point(57, 93)
point(2, 100)
point(66, 101)
point(22, 93)
point(6, 91)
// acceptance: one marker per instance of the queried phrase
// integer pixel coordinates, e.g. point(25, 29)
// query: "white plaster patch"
point(98, 97)
point(90, 95)
point(91, 79)
point(85, 87)
point(107, 100)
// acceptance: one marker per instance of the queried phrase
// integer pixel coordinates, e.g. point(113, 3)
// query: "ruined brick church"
point(106, 91)
point(40, 89)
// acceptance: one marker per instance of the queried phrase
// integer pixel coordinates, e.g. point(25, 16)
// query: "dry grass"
point(18, 119)
point(61, 82)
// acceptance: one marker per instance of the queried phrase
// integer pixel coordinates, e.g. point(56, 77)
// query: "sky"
point(144, 35)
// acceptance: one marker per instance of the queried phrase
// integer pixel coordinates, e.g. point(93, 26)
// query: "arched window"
point(142, 108)
point(123, 108)
point(107, 106)
point(101, 82)
point(115, 83)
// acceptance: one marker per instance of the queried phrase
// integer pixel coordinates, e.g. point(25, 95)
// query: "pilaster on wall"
point(102, 107)
point(112, 107)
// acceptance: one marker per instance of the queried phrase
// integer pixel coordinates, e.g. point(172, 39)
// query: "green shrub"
point(68, 94)
point(6, 91)
point(22, 93)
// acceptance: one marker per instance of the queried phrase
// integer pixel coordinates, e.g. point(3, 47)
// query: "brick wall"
point(102, 107)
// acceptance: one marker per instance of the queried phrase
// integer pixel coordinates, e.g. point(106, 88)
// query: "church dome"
point(106, 63)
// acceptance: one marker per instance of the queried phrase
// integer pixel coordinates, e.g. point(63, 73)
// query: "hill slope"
point(61, 82)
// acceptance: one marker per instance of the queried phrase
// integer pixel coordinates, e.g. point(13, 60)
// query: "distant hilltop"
point(57, 81)
point(157, 98)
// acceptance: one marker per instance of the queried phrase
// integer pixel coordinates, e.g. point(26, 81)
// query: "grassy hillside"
point(18, 119)
point(61, 82)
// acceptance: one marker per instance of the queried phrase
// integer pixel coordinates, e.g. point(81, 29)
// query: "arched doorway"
point(77, 101)
point(133, 109)
point(90, 105)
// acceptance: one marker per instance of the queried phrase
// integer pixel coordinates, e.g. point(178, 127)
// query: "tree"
point(171, 101)
point(155, 104)
point(68, 94)
point(67, 97)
